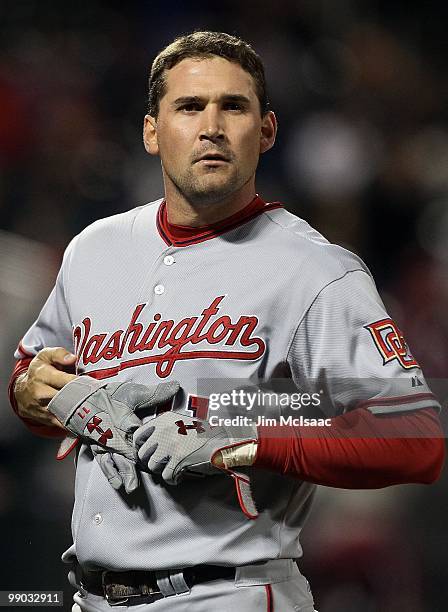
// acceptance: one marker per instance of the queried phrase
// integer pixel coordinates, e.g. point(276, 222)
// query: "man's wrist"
point(237, 456)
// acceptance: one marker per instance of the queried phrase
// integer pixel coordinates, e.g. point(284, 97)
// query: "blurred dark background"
point(361, 94)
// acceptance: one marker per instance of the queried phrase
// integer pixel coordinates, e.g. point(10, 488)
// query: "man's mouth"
point(212, 158)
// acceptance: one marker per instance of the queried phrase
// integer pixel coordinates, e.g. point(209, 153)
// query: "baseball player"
point(209, 289)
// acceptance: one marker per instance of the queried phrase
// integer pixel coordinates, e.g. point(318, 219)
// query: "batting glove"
point(176, 446)
point(119, 470)
point(103, 415)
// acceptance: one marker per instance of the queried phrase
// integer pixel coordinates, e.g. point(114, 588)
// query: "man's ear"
point(150, 135)
point(268, 131)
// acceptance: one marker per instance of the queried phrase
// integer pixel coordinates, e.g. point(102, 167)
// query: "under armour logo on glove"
point(161, 450)
point(94, 425)
point(112, 421)
point(197, 425)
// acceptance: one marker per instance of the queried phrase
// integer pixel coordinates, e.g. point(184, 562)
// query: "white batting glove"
point(103, 415)
point(175, 446)
point(119, 470)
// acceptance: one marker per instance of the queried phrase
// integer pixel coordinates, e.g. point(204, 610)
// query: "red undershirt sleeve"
point(359, 450)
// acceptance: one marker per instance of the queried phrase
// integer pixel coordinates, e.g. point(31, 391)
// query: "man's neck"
point(182, 212)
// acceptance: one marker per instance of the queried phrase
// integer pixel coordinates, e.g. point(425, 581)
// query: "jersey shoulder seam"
point(308, 308)
point(294, 234)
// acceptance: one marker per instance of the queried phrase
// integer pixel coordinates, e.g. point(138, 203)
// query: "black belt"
point(137, 587)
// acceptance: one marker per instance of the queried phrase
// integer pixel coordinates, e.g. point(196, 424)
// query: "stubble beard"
point(201, 192)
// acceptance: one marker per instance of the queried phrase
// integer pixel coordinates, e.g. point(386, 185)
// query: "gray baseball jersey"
point(261, 297)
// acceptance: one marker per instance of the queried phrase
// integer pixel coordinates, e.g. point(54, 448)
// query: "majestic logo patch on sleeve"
point(391, 344)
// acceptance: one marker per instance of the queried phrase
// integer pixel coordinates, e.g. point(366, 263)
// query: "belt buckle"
point(111, 598)
point(114, 599)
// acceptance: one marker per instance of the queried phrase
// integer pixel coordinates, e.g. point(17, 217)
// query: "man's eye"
point(192, 106)
point(233, 106)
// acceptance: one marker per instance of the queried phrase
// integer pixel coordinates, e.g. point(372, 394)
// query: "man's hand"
point(103, 415)
point(176, 446)
point(49, 371)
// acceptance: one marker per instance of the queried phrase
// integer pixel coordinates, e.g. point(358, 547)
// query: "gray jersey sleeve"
point(349, 350)
point(53, 326)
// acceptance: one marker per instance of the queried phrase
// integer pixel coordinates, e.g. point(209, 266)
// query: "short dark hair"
point(204, 45)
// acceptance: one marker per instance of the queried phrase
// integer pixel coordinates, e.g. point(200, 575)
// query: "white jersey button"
point(98, 519)
point(159, 289)
point(168, 260)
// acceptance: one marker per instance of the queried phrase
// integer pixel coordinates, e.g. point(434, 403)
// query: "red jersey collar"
point(181, 235)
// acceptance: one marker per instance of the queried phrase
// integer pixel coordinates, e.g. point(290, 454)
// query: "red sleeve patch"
point(391, 344)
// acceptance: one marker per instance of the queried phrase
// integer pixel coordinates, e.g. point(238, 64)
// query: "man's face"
point(209, 132)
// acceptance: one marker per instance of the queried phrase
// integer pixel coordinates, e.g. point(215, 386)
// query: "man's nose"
point(212, 127)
